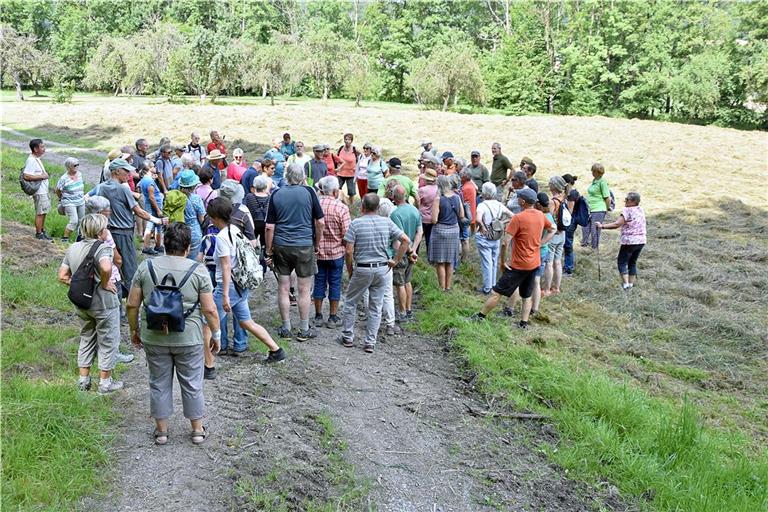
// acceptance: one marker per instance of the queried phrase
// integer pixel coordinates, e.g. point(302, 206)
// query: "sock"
point(84, 378)
point(287, 325)
point(304, 324)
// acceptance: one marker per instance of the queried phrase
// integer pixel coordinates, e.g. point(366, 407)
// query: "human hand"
point(226, 305)
point(391, 264)
point(215, 346)
point(599, 225)
point(109, 286)
point(413, 257)
point(136, 340)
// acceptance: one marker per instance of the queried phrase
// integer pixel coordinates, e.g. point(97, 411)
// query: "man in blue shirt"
point(294, 228)
point(164, 165)
point(287, 147)
point(276, 156)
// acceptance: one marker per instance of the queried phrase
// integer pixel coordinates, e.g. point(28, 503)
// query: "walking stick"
point(599, 272)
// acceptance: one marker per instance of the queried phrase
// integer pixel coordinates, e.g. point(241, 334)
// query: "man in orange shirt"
point(526, 229)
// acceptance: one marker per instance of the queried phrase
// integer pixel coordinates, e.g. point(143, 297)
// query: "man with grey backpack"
point(492, 217)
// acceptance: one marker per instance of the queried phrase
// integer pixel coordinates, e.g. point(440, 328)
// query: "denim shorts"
point(463, 232)
point(556, 246)
point(544, 260)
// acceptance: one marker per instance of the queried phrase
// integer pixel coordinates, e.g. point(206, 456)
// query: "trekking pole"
point(599, 271)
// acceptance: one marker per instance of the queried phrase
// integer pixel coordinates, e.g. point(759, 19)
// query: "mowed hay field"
point(671, 165)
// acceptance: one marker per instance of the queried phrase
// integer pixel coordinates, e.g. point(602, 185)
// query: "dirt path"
point(57, 152)
point(403, 414)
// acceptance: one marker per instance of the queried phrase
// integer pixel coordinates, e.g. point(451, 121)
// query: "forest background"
point(692, 61)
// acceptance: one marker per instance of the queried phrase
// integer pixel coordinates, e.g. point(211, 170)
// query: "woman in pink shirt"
point(237, 167)
point(633, 237)
point(204, 190)
point(427, 195)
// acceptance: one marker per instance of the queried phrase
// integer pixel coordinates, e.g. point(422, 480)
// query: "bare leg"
point(557, 276)
point(283, 302)
point(625, 278)
point(490, 303)
point(440, 275)
point(402, 298)
point(318, 306)
point(526, 309)
point(536, 297)
point(333, 307)
point(548, 274)
point(305, 287)
point(260, 333)
point(448, 275)
point(408, 296)
point(39, 223)
point(208, 359)
point(161, 425)
point(632, 280)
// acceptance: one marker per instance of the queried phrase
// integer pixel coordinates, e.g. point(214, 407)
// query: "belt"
point(372, 265)
point(121, 230)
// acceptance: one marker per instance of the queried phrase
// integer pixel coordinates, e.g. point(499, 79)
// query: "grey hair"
point(464, 173)
point(398, 194)
point(92, 224)
point(294, 174)
point(444, 184)
point(496, 145)
point(488, 190)
point(186, 158)
point(195, 134)
point(140, 141)
point(70, 162)
point(327, 185)
point(519, 176)
point(634, 197)
point(260, 183)
point(96, 204)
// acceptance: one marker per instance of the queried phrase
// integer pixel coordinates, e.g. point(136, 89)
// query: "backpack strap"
point(91, 254)
point(152, 274)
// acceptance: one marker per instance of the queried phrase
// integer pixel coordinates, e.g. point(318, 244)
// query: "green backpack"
point(174, 205)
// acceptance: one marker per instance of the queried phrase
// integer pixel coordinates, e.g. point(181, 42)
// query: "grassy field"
point(664, 391)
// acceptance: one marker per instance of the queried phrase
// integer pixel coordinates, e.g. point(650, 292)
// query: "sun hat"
point(430, 175)
point(376, 150)
point(424, 142)
point(233, 191)
point(119, 163)
point(526, 160)
point(395, 162)
point(179, 147)
point(428, 156)
point(526, 194)
point(188, 179)
point(543, 199)
point(215, 155)
point(114, 154)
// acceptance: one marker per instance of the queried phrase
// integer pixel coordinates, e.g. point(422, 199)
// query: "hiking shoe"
point(238, 353)
point(110, 386)
point(305, 335)
point(65, 240)
point(523, 325)
point(410, 316)
point(476, 318)
point(318, 320)
point(149, 252)
point(507, 312)
point(284, 333)
point(345, 341)
point(482, 292)
point(209, 373)
point(124, 358)
point(43, 236)
point(84, 385)
point(368, 348)
point(276, 356)
point(160, 249)
point(333, 322)
point(392, 330)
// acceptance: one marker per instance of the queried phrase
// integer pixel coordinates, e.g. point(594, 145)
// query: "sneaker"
point(368, 348)
point(234, 353)
point(410, 316)
point(84, 385)
point(305, 335)
point(482, 292)
point(333, 322)
point(318, 320)
point(209, 373)
point(276, 356)
point(64, 240)
point(507, 312)
point(110, 386)
point(345, 341)
point(284, 333)
point(626, 286)
point(43, 236)
point(124, 358)
point(148, 251)
point(392, 330)
point(160, 249)
point(523, 325)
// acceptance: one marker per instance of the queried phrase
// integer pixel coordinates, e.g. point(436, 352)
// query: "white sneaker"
point(124, 358)
point(110, 386)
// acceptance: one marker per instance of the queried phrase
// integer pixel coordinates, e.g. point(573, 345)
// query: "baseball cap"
point(527, 195)
point(395, 162)
point(475, 152)
point(119, 163)
point(318, 147)
point(447, 154)
point(542, 198)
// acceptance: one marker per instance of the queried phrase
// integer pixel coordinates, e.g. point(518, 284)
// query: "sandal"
point(161, 437)
point(198, 436)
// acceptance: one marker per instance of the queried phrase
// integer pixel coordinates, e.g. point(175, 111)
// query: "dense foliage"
point(698, 61)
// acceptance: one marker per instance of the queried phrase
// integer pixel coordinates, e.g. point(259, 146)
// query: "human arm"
point(211, 314)
point(349, 252)
point(412, 254)
point(612, 225)
point(152, 201)
point(117, 259)
point(435, 209)
point(402, 248)
point(135, 296)
point(226, 277)
point(105, 274)
point(65, 274)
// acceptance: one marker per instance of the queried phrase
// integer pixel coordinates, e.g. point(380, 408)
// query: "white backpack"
point(247, 274)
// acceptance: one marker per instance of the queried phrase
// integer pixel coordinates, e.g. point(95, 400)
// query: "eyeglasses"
point(76, 165)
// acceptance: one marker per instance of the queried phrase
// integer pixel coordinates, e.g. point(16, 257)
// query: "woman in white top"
point(487, 241)
point(361, 170)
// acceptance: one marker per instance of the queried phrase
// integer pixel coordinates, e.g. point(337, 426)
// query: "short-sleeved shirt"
point(499, 168)
point(121, 202)
point(199, 282)
point(225, 246)
point(34, 167)
point(301, 160)
point(279, 159)
point(246, 180)
point(405, 181)
point(513, 204)
point(361, 169)
point(427, 195)
point(332, 162)
point(634, 229)
point(288, 149)
point(375, 173)
point(235, 171)
point(597, 193)
point(336, 225)
point(165, 169)
point(408, 219)
point(293, 210)
point(73, 258)
point(316, 170)
point(192, 210)
point(488, 210)
point(526, 228)
point(197, 152)
point(72, 189)
point(372, 235)
point(480, 175)
point(144, 184)
point(469, 194)
point(551, 224)
point(206, 193)
point(348, 162)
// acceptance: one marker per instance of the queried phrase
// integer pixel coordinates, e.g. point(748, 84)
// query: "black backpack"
point(83, 283)
point(165, 309)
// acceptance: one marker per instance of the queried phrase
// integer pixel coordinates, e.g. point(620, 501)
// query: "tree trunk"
point(358, 98)
point(668, 105)
point(37, 89)
point(325, 89)
point(272, 99)
point(17, 82)
point(445, 102)
point(550, 104)
point(264, 89)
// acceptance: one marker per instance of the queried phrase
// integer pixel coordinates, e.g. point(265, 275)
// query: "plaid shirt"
point(336, 226)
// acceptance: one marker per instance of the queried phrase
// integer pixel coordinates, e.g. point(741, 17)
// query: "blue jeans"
point(240, 312)
point(568, 256)
point(489, 260)
point(328, 278)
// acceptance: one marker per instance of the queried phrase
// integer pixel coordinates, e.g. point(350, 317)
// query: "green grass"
point(55, 439)
point(653, 448)
point(29, 289)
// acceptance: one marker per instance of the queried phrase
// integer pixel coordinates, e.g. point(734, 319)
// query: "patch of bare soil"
point(20, 250)
point(403, 420)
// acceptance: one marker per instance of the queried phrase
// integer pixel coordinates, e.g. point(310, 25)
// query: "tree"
point(325, 56)
point(361, 80)
point(22, 61)
point(274, 68)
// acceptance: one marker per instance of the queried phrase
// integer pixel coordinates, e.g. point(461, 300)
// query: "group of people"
point(295, 209)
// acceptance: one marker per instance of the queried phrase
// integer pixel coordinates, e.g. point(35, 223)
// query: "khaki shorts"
point(403, 272)
point(42, 204)
point(301, 259)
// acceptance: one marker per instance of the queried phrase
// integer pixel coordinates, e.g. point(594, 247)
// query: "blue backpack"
point(580, 215)
point(208, 246)
point(165, 309)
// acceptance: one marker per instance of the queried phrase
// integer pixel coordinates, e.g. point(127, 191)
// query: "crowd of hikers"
point(212, 225)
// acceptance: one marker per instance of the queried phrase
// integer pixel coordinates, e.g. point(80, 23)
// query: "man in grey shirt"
point(480, 173)
point(367, 241)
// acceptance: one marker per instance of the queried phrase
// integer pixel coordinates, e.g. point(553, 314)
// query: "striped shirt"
point(372, 235)
point(336, 226)
point(72, 189)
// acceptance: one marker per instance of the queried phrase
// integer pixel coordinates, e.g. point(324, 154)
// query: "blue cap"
point(447, 154)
